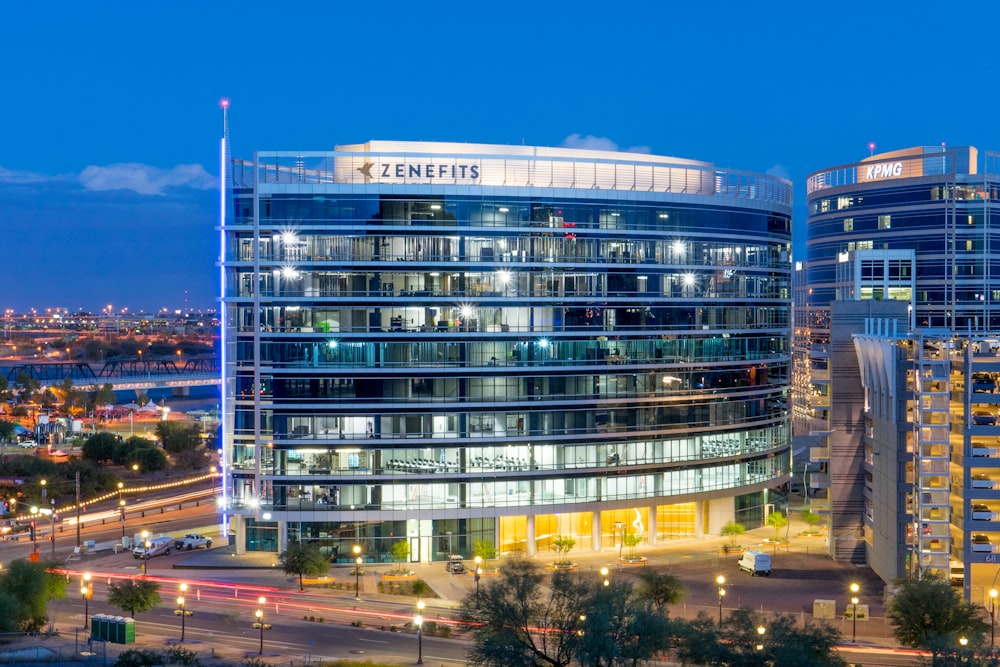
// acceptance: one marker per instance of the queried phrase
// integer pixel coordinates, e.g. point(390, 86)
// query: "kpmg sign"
point(877, 172)
point(416, 171)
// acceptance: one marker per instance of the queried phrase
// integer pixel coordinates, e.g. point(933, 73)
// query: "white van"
point(157, 547)
point(756, 562)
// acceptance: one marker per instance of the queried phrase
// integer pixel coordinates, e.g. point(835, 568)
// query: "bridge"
point(122, 373)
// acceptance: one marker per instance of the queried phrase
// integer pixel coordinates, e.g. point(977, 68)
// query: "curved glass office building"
point(451, 343)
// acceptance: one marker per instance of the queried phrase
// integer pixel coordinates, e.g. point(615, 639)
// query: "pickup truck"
point(193, 541)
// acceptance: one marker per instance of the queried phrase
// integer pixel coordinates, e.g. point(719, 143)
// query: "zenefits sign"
point(403, 172)
point(886, 170)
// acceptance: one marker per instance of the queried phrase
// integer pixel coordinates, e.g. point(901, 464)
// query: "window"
point(848, 224)
point(844, 202)
point(884, 221)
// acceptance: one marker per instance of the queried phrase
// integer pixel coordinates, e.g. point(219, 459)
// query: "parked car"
point(157, 546)
point(981, 542)
point(983, 382)
point(27, 444)
point(981, 512)
point(980, 481)
point(193, 541)
point(756, 563)
point(455, 565)
point(984, 418)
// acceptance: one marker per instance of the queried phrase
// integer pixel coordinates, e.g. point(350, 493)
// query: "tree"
point(525, 621)
point(485, 549)
point(618, 628)
point(660, 588)
point(6, 430)
point(178, 437)
point(150, 459)
point(522, 624)
point(400, 553)
point(304, 559)
point(811, 518)
point(732, 530)
point(777, 521)
point(631, 540)
point(928, 614)
point(740, 644)
point(27, 587)
point(105, 395)
point(562, 545)
point(123, 450)
point(100, 447)
point(134, 596)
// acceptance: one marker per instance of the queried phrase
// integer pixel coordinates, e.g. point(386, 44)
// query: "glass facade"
point(418, 349)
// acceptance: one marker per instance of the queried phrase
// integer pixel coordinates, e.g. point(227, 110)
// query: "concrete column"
point(598, 544)
point(699, 519)
point(282, 536)
point(651, 529)
point(530, 535)
point(241, 535)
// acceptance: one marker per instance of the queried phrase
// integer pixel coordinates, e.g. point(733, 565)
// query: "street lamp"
point(357, 571)
point(145, 550)
point(181, 610)
point(183, 614)
point(604, 576)
point(87, 592)
point(44, 488)
point(418, 621)
point(260, 622)
point(760, 637)
point(121, 508)
point(993, 617)
point(720, 580)
point(475, 575)
point(34, 529)
point(854, 611)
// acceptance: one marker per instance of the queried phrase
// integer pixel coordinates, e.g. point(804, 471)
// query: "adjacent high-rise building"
point(451, 343)
point(902, 433)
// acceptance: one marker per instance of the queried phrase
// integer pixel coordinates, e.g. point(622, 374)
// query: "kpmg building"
point(450, 343)
point(897, 361)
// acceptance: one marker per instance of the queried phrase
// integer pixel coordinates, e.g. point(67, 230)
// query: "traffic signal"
point(31, 529)
point(6, 507)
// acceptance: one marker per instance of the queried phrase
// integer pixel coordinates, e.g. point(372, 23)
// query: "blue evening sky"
point(111, 120)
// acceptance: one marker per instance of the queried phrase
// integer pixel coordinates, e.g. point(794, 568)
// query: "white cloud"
point(145, 179)
point(780, 171)
point(11, 176)
point(590, 142)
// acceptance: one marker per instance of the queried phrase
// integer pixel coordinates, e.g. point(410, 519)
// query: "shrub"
point(178, 655)
point(420, 588)
point(139, 657)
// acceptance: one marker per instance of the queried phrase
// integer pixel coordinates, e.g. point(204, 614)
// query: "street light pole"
point(260, 621)
point(121, 508)
point(475, 575)
point(604, 576)
point(993, 617)
point(418, 621)
point(34, 530)
point(180, 607)
point(854, 611)
point(357, 571)
point(52, 529)
point(145, 550)
point(87, 591)
point(720, 580)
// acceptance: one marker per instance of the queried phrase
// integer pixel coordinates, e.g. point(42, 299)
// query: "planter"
point(632, 561)
point(399, 576)
point(563, 566)
point(486, 572)
point(732, 550)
